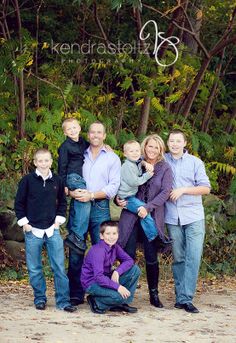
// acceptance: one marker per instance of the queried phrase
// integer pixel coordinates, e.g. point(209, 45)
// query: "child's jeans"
point(147, 223)
point(55, 250)
point(79, 211)
point(106, 297)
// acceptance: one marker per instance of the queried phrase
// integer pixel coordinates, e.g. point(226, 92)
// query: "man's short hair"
point(97, 122)
point(178, 131)
point(126, 145)
point(68, 120)
point(41, 151)
point(107, 223)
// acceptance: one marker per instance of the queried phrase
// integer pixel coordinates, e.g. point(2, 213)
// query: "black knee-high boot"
point(152, 271)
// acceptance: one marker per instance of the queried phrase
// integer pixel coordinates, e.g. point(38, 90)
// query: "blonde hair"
point(126, 145)
point(160, 144)
point(68, 120)
point(41, 151)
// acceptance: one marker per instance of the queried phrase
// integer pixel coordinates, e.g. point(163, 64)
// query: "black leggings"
point(150, 249)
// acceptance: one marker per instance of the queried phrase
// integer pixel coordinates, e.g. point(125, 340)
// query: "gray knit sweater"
point(131, 178)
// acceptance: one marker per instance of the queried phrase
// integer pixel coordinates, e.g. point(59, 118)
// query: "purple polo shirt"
point(98, 263)
point(103, 172)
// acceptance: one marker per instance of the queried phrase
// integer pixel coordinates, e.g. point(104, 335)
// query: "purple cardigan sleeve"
point(164, 193)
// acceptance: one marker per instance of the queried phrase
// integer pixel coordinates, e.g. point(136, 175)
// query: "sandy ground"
point(20, 322)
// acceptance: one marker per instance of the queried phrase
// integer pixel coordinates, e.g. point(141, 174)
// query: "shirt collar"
point(185, 153)
point(43, 177)
point(72, 141)
point(106, 246)
point(89, 149)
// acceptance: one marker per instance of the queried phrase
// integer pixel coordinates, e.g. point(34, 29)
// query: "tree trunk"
point(143, 124)
point(196, 22)
point(20, 80)
point(230, 126)
point(193, 90)
point(207, 113)
point(142, 129)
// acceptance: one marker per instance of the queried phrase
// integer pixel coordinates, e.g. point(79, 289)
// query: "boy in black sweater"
point(40, 207)
point(70, 163)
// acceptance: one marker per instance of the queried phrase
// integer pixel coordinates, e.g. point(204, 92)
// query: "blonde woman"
point(154, 193)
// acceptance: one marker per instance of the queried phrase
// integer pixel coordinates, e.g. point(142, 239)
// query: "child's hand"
point(56, 225)
point(142, 212)
point(27, 228)
point(149, 167)
point(115, 276)
point(66, 191)
point(124, 292)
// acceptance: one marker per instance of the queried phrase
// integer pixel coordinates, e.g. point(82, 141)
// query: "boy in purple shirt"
point(109, 288)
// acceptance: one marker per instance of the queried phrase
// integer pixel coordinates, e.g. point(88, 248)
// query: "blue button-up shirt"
point(103, 172)
point(188, 171)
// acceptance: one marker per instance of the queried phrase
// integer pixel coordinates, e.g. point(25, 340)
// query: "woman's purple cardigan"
point(156, 191)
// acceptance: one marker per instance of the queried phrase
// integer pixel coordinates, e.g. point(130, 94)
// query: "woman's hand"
point(142, 212)
point(82, 195)
point(120, 202)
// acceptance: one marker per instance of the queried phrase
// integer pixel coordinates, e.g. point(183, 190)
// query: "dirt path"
point(20, 322)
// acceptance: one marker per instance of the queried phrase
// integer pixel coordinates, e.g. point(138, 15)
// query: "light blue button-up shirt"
point(103, 172)
point(188, 171)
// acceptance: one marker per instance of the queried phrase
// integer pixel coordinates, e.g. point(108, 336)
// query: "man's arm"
point(108, 191)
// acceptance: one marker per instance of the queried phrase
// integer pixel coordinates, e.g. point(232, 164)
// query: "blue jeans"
point(187, 249)
point(107, 297)
point(99, 212)
point(79, 211)
point(55, 250)
point(147, 223)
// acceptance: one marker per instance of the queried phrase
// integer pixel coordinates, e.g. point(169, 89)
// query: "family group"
point(156, 191)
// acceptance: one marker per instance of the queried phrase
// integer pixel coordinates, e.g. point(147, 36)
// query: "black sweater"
point(71, 157)
point(40, 201)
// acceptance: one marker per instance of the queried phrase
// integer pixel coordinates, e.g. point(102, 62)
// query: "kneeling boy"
point(108, 288)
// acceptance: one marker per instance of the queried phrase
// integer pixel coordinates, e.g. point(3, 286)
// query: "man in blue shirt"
point(101, 171)
point(184, 216)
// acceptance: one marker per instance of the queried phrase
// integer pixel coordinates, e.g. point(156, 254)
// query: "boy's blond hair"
point(41, 151)
point(128, 143)
point(68, 120)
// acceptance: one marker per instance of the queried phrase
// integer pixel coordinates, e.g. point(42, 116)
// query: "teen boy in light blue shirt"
point(184, 216)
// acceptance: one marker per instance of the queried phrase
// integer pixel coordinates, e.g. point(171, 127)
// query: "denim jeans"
point(107, 297)
point(55, 250)
point(147, 223)
point(187, 249)
point(99, 212)
point(79, 211)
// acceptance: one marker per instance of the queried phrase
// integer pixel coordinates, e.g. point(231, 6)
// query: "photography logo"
point(97, 52)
